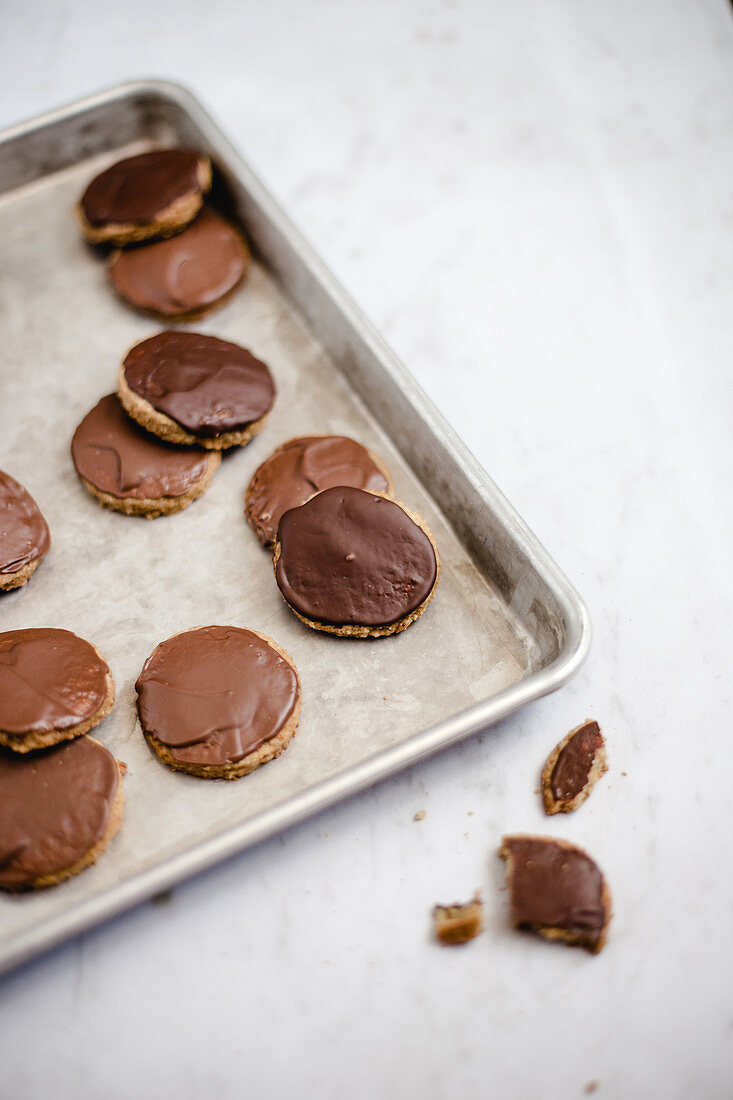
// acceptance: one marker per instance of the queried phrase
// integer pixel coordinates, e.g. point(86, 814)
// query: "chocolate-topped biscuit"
point(355, 563)
point(151, 195)
point(218, 701)
point(128, 470)
point(188, 388)
point(54, 686)
point(573, 768)
point(186, 275)
point(24, 535)
point(557, 890)
point(302, 467)
point(59, 810)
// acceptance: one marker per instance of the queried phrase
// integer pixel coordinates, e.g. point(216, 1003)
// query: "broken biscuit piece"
point(557, 890)
point(573, 768)
point(458, 923)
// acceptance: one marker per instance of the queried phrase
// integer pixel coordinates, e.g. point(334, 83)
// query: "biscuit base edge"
point(155, 507)
point(9, 581)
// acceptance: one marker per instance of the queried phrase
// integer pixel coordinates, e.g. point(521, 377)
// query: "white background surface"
point(532, 201)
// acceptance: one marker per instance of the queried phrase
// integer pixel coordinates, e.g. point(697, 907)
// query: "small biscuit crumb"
point(590, 1087)
point(419, 816)
point(458, 923)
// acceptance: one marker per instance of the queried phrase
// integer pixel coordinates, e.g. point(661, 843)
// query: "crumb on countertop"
point(458, 923)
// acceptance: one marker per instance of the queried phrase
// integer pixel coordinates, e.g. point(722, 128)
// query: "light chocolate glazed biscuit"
point(186, 276)
point(218, 701)
point(139, 198)
point(188, 388)
point(128, 470)
point(557, 890)
point(54, 686)
point(304, 466)
point(59, 809)
point(356, 564)
point(24, 535)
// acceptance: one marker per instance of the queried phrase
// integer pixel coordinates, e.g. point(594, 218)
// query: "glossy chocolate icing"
point(185, 273)
point(117, 457)
point(206, 385)
point(348, 557)
point(138, 188)
point(302, 467)
point(575, 761)
point(24, 535)
point(554, 885)
point(54, 807)
point(50, 679)
point(215, 694)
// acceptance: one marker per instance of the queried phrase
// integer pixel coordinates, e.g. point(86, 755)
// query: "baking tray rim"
point(356, 777)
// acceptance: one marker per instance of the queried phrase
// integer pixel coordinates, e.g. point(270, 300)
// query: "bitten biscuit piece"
point(187, 388)
point(128, 470)
point(573, 768)
point(302, 467)
point(355, 564)
point(24, 536)
point(458, 923)
point(54, 686)
point(557, 890)
point(151, 195)
point(218, 701)
point(185, 276)
point(59, 810)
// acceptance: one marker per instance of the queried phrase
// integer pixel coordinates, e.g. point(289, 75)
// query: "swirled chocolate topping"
point(54, 807)
point(349, 557)
point(302, 467)
point(573, 765)
point(555, 885)
point(184, 273)
point(50, 679)
point(116, 456)
point(24, 535)
point(206, 385)
point(215, 694)
point(137, 189)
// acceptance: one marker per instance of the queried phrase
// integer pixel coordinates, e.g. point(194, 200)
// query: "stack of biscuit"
point(61, 795)
point(152, 449)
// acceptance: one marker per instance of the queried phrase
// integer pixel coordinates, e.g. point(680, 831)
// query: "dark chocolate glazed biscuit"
point(573, 768)
point(184, 275)
point(218, 701)
point(150, 195)
point(302, 467)
point(131, 471)
point(557, 890)
point(189, 388)
point(53, 686)
point(58, 811)
point(24, 535)
point(355, 563)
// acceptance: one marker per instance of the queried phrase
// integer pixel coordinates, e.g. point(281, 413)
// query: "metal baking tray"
point(504, 628)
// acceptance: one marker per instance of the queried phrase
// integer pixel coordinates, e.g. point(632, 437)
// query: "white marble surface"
point(533, 202)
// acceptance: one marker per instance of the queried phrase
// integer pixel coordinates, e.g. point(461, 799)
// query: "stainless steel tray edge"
point(480, 514)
